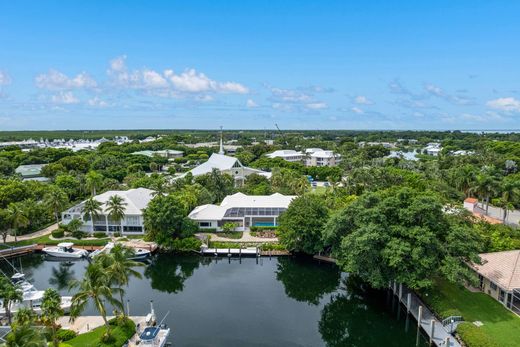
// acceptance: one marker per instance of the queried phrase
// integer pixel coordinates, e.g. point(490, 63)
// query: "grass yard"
point(120, 334)
point(500, 325)
point(46, 240)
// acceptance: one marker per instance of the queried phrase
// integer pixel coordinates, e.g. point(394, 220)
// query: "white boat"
point(65, 250)
point(33, 297)
point(154, 336)
point(139, 253)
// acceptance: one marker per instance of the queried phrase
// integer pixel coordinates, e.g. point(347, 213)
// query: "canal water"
point(284, 301)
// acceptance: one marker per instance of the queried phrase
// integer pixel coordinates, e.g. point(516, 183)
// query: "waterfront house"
point(499, 277)
point(243, 210)
point(136, 201)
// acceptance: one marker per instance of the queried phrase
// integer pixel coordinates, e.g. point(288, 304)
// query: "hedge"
point(58, 233)
point(263, 228)
point(66, 335)
point(474, 336)
point(99, 235)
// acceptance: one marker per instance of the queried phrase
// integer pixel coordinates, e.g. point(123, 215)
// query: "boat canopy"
point(149, 333)
point(65, 244)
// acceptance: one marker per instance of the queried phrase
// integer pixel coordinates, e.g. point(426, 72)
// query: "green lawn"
point(500, 325)
point(46, 240)
point(120, 334)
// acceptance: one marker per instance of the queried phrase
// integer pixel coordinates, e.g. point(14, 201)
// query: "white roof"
point(323, 154)
point(312, 150)
point(216, 212)
point(136, 200)
point(284, 153)
point(216, 161)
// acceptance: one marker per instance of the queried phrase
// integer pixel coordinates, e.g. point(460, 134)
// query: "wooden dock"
point(324, 258)
point(17, 251)
point(437, 333)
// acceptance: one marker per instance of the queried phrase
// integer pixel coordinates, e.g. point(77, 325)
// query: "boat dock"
point(436, 331)
point(246, 251)
point(17, 251)
point(324, 258)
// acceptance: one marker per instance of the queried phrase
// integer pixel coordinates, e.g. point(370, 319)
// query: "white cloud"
point(64, 98)
point(440, 93)
point(288, 95)
point(55, 80)
point(316, 105)
point(357, 110)
point(363, 100)
point(169, 83)
point(508, 104)
point(4, 78)
point(250, 103)
point(97, 102)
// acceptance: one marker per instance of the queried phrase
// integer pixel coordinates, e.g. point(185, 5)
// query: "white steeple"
point(221, 151)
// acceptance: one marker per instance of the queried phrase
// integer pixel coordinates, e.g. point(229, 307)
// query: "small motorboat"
point(65, 250)
point(154, 336)
point(108, 247)
point(140, 254)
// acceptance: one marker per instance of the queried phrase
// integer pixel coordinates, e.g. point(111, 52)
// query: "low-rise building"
point(31, 172)
point(136, 201)
point(499, 277)
point(320, 157)
point(243, 210)
point(166, 153)
point(288, 155)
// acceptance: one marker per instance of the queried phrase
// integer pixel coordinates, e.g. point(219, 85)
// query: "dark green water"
point(265, 302)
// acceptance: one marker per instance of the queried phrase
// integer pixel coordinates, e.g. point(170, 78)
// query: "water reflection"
point(168, 273)
point(61, 276)
point(351, 318)
point(306, 280)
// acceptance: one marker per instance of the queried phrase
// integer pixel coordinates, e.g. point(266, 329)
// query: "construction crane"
point(281, 133)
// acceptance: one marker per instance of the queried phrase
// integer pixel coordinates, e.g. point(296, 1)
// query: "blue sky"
point(250, 64)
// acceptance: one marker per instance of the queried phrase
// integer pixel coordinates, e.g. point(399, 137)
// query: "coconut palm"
point(93, 181)
point(92, 209)
point(9, 293)
point(116, 207)
point(484, 187)
point(120, 267)
point(18, 218)
point(23, 332)
point(51, 311)
point(510, 194)
point(95, 287)
point(56, 199)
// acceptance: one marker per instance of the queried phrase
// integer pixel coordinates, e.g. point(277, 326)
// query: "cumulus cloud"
point(66, 98)
point(440, 93)
point(168, 82)
point(250, 103)
point(55, 80)
point(4, 78)
point(357, 110)
point(316, 105)
point(289, 95)
point(97, 102)
point(508, 104)
point(363, 100)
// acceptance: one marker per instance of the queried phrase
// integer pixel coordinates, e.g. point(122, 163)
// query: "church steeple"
point(221, 151)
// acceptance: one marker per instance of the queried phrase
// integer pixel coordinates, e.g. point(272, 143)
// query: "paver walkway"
point(84, 324)
point(246, 237)
point(38, 233)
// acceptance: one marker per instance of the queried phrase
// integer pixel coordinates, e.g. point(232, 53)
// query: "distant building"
point(288, 155)
point(243, 210)
point(136, 201)
point(320, 157)
point(433, 149)
point(31, 172)
point(499, 277)
point(369, 144)
point(471, 204)
point(167, 153)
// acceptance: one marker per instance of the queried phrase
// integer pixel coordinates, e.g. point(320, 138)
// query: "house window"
point(493, 286)
point(481, 281)
point(501, 296)
point(132, 229)
point(204, 224)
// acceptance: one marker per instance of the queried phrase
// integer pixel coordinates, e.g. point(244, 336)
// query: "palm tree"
point(93, 181)
point(51, 311)
point(95, 287)
point(91, 208)
point(120, 267)
point(510, 193)
point(23, 332)
point(56, 199)
point(485, 186)
point(18, 218)
point(116, 207)
point(9, 293)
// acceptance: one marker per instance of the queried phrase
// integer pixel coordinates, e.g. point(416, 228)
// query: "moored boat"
point(65, 250)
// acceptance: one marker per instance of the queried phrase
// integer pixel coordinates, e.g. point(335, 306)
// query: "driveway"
point(38, 233)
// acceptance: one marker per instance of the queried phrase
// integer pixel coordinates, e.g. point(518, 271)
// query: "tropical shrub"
point(58, 233)
point(66, 334)
point(99, 235)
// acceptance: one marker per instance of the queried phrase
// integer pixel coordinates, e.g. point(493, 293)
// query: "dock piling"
point(432, 331)
point(408, 302)
point(419, 316)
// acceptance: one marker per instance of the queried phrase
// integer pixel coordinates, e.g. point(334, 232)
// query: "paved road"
point(513, 217)
point(38, 233)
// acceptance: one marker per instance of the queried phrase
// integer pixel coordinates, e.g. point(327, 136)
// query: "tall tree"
point(120, 267)
point(93, 181)
point(91, 209)
point(18, 217)
point(56, 199)
point(485, 186)
point(5, 224)
point(10, 294)
point(510, 194)
point(94, 287)
point(116, 207)
point(51, 311)
point(23, 331)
